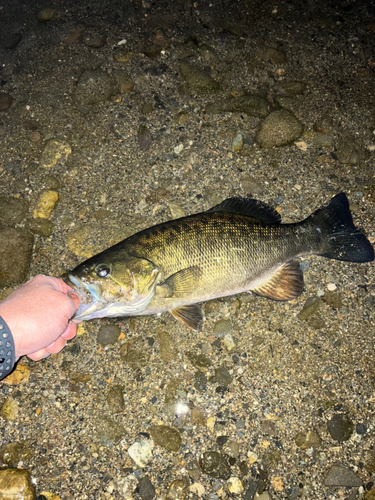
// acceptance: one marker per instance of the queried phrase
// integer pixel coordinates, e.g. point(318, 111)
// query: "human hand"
point(38, 315)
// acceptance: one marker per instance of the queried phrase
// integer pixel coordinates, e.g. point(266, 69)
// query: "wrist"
point(7, 350)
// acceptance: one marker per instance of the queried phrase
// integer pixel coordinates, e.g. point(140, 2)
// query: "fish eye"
point(103, 270)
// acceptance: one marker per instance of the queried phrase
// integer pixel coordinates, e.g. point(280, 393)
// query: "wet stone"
point(146, 489)
point(348, 151)
point(141, 452)
point(292, 87)
point(171, 396)
point(94, 37)
point(12, 211)
point(222, 376)
point(251, 105)
point(135, 353)
point(279, 128)
point(198, 416)
point(16, 246)
point(200, 361)
point(342, 476)
point(214, 464)
point(251, 186)
point(93, 88)
point(166, 437)
point(198, 79)
point(108, 431)
point(317, 322)
point(309, 439)
point(124, 81)
point(54, 152)
point(251, 490)
point(340, 427)
point(222, 327)
point(115, 398)
point(5, 102)
point(41, 227)
point(16, 484)
point(333, 299)
point(45, 204)
point(271, 459)
point(178, 490)
point(144, 138)
point(13, 453)
point(361, 429)
point(310, 307)
point(108, 334)
point(168, 350)
point(200, 381)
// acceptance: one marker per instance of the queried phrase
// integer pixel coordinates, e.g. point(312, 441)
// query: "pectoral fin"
point(285, 284)
point(180, 284)
point(190, 316)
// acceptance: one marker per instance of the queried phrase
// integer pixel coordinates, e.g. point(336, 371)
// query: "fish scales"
point(239, 245)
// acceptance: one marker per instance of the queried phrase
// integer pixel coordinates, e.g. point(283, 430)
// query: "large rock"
point(16, 484)
point(16, 246)
point(279, 128)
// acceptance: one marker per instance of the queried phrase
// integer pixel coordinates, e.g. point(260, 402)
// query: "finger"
point(70, 331)
point(38, 355)
point(56, 346)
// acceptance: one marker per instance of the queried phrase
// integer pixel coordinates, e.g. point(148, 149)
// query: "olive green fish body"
point(237, 246)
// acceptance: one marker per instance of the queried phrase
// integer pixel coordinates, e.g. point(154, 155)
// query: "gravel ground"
point(138, 112)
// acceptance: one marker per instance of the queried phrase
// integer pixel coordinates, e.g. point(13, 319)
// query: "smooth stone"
point(279, 128)
point(197, 78)
point(93, 88)
point(109, 431)
point(340, 427)
point(46, 14)
point(135, 353)
point(124, 81)
point(166, 437)
point(251, 490)
point(16, 484)
point(342, 476)
point(45, 204)
point(115, 398)
point(222, 327)
point(235, 486)
point(146, 489)
point(309, 439)
point(13, 453)
point(16, 246)
point(333, 299)
point(200, 381)
point(292, 87)
point(348, 151)
point(251, 186)
point(310, 307)
point(289, 103)
point(54, 152)
point(144, 138)
point(141, 452)
point(200, 361)
point(229, 342)
point(41, 227)
point(126, 486)
point(168, 350)
point(93, 37)
point(222, 376)
point(176, 210)
point(214, 464)
point(12, 210)
point(108, 334)
point(361, 429)
point(9, 409)
point(199, 416)
point(177, 490)
point(197, 488)
point(252, 105)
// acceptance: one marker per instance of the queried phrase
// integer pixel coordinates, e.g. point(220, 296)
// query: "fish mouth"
point(93, 305)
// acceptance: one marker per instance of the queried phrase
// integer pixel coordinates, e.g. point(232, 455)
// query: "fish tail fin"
point(341, 240)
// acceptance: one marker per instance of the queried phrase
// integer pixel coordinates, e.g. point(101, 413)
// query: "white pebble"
point(235, 485)
point(141, 452)
point(178, 149)
point(197, 488)
point(229, 342)
point(331, 287)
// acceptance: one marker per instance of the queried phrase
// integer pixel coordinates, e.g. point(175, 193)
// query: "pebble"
point(339, 475)
point(93, 37)
point(124, 81)
point(200, 381)
point(108, 431)
point(177, 490)
point(200, 361)
point(144, 138)
point(309, 439)
point(348, 151)
point(135, 353)
point(146, 489)
point(166, 437)
point(141, 452)
point(222, 376)
point(237, 143)
point(13, 453)
point(126, 486)
point(252, 105)
point(168, 350)
point(115, 398)
point(108, 334)
point(252, 457)
point(197, 78)
point(221, 327)
point(251, 186)
point(229, 342)
point(93, 88)
point(176, 210)
point(340, 427)
point(12, 210)
point(9, 409)
point(279, 128)
point(46, 14)
point(16, 484)
point(45, 204)
point(331, 287)
point(178, 149)
point(54, 152)
point(264, 496)
point(197, 488)
point(5, 102)
point(310, 307)
point(214, 464)
point(199, 416)
point(20, 375)
point(333, 300)
point(16, 246)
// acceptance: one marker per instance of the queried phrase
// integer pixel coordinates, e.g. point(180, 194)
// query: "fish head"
point(112, 284)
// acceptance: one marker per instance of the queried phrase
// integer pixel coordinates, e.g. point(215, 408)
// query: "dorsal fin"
point(284, 284)
point(252, 208)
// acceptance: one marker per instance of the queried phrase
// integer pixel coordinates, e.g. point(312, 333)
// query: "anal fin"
point(284, 284)
point(190, 316)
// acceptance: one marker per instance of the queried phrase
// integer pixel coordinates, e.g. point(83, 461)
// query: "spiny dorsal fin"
point(190, 316)
point(285, 284)
point(182, 283)
point(252, 208)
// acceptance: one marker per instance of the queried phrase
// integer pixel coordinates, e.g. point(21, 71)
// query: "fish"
point(237, 246)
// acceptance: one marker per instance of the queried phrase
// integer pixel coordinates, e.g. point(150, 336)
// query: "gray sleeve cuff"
point(7, 350)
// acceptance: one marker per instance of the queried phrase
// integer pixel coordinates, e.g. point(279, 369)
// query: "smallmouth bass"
point(239, 245)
